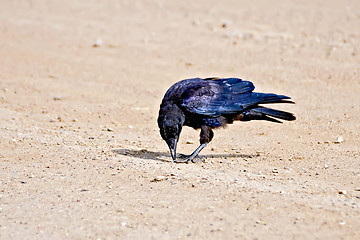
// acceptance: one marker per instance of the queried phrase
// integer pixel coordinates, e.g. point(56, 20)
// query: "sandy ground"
point(81, 156)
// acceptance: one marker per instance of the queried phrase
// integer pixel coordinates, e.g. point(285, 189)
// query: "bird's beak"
point(173, 153)
point(172, 148)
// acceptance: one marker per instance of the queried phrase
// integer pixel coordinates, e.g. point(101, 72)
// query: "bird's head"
point(170, 124)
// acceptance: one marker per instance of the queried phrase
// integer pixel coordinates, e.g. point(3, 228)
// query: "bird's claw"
point(182, 158)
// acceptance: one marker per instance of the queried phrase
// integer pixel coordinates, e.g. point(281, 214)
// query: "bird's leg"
point(206, 136)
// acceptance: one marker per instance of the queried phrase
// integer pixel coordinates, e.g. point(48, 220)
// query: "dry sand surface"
point(81, 156)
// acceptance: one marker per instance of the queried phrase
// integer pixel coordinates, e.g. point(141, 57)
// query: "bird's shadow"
point(165, 157)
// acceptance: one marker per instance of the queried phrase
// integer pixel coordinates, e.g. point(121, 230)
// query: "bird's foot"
point(179, 160)
point(182, 158)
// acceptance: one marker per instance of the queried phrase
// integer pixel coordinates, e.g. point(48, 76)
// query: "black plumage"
point(211, 103)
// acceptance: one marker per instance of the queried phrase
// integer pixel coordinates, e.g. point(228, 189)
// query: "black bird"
point(211, 103)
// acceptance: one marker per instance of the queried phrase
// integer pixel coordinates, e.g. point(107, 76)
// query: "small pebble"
point(158, 178)
point(260, 222)
point(339, 140)
point(57, 98)
point(343, 192)
point(189, 142)
point(98, 42)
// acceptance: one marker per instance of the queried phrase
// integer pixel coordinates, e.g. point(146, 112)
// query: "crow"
point(211, 103)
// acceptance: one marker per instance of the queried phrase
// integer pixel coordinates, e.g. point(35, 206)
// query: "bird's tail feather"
point(266, 112)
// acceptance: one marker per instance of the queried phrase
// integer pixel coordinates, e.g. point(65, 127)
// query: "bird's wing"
point(215, 97)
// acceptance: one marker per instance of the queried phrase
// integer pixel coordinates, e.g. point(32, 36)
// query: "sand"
point(81, 156)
